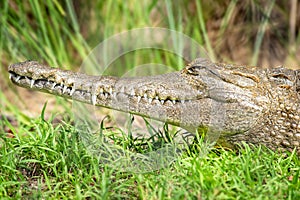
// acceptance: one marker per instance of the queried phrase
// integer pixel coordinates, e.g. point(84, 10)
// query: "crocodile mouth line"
point(102, 94)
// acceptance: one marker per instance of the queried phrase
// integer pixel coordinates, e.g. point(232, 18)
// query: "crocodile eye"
point(195, 67)
point(282, 80)
point(195, 70)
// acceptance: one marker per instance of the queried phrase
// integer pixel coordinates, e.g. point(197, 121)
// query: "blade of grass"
point(204, 32)
point(260, 34)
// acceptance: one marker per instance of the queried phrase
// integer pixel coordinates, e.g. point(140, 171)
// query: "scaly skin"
point(258, 106)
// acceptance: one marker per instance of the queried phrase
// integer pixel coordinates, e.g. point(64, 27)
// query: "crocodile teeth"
point(18, 78)
point(101, 91)
point(173, 101)
point(10, 75)
point(182, 101)
point(31, 83)
point(110, 90)
point(162, 101)
point(145, 96)
point(139, 99)
point(156, 98)
point(150, 100)
point(64, 89)
point(72, 91)
point(94, 97)
point(27, 78)
point(105, 95)
point(132, 93)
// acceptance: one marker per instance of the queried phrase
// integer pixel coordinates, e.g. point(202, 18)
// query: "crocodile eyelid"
point(251, 76)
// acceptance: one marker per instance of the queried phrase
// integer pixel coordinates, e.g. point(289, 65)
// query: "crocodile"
point(240, 103)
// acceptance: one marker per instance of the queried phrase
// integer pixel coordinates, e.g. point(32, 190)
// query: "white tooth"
point(31, 83)
point(94, 99)
point(156, 97)
point(64, 89)
point(18, 78)
point(139, 98)
point(182, 101)
point(10, 75)
point(72, 91)
point(132, 93)
point(101, 91)
point(145, 96)
point(173, 101)
point(110, 90)
point(162, 101)
point(61, 84)
point(150, 100)
point(105, 95)
point(54, 84)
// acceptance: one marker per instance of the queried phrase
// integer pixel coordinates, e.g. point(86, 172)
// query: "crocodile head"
point(203, 94)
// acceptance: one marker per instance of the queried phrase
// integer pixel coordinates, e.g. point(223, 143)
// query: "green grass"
point(43, 160)
point(40, 158)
